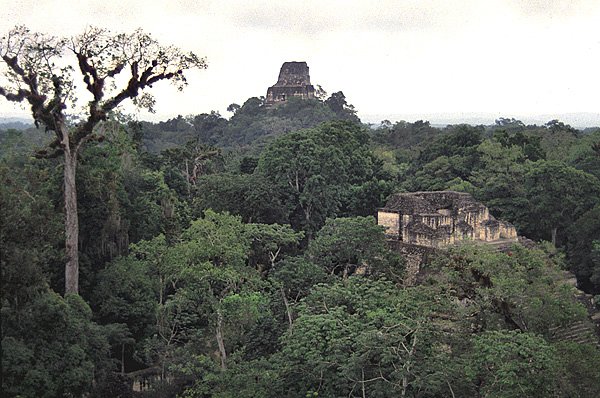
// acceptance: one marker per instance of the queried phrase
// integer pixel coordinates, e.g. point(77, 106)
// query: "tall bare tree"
point(41, 70)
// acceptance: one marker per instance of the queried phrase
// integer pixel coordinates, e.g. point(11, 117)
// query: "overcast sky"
point(392, 59)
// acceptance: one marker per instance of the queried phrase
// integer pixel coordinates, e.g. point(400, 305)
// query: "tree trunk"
point(345, 274)
point(187, 178)
point(364, 392)
point(123, 359)
point(554, 236)
point(408, 363)
point(287, 310)
point(220, 341)
point(71, 222)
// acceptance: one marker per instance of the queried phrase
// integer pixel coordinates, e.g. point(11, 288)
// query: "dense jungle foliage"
point(240, 257)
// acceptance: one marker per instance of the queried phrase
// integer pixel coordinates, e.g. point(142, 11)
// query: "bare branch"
point(38, 72)
point(14, 97)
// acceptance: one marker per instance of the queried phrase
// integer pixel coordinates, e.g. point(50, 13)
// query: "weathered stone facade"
point(419, 225)
point(293, 81)
point(441, 218)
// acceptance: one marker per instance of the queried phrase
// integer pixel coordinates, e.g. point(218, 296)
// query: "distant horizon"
point(578, 120)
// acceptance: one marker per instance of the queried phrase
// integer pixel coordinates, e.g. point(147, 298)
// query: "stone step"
point(578, 339)
point(589, 340)
point(574, 335)
point(580, 332)
point(572, 325)
point(572, 330)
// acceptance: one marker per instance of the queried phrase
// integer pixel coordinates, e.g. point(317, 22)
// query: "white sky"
point(390, 58)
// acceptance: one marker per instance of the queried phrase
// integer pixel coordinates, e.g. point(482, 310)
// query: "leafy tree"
point(251, 196)
point(209, 127)
point(177, 124)
point(439, 174)
point(244, 379)
point(187, 164)
point(252, 107)
point(391, 162)
point(558, 126)
point(514, 290)
point(338, 104)
point(500, 180)
point(556, 139)
point(345, 246)
point(461, 140)
point(30, 231)
point(529, 144)
point(248, 164)
point(132, 291)
point(52, 348)
point(403, 134)
point(365, 338)
point(509, 124)
point(128, 294)
point(233, 108)
point(453, 155)
point(320, 93)
point(103, 202)
point(201, 292)
point(295, 277)
point(583, 237)
point(557, 196)
point(315, 170)
point(255, 123)
point(512, 363)
point(37, 71)
point(366, 198)
point(270, 242)
point(585, 154)
point(579, 367)
point(252, 124)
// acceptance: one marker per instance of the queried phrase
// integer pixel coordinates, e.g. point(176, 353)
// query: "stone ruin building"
point(418, 224)
point(442, 218)
point(293, 81)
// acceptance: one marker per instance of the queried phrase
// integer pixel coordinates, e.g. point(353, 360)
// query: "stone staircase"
point(502, 245)
point(505, 245)
point(581, 332)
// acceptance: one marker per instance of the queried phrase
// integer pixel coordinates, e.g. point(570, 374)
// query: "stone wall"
point(414, 256)
point(293, 81)
point(391, 222)
point(293, 74)
point(442, 218)
point(420, 223)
